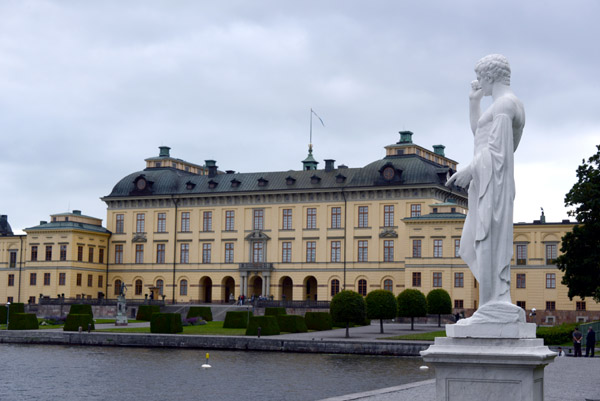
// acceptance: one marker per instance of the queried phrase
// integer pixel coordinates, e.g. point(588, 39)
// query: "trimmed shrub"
point(318, 321)
point(78, 309)
point(168, 323)
point(348, 307)
point(15, 307)
point(412, 303)
point(3, 314)
point(145, 312)
point(381, 304)
point(23, 321)
point(291, 323)
point(439, 303)
point(557, 335)
point(275, 311)
point(200, 311)
point(268, 326)
point(74, 321)
point(236, 320)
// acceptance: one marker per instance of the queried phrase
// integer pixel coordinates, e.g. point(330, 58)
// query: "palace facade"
point(193, 233)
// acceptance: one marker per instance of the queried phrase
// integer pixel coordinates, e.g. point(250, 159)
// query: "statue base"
point(493, 320)
point(469, 369)
point(121, 311)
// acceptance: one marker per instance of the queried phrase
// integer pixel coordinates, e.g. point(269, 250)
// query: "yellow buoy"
point(206, 365)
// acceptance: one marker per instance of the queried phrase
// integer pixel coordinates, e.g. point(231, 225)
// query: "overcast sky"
point(89, 89)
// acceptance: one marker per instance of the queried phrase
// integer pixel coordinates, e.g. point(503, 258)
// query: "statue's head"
point(495, 67)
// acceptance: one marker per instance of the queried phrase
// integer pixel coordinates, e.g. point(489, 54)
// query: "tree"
point(439, 303)
point(412, 303)
point(381, 304)
point(580, 260)
point(347, 307)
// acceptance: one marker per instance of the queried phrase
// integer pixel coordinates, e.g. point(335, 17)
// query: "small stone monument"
point(121, 307)
point(493, 355)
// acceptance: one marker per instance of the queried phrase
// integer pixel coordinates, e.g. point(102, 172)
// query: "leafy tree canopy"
point(347, 306)
point(412, 303)
point(580, 260)
point(381, 304)
point(439, 302)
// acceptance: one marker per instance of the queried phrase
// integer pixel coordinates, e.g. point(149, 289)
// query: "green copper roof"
point(68, 225)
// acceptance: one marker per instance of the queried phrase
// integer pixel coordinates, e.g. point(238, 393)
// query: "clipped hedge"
point(236, 320)
point(318, 321)
point(23, 321)
point(268, 326)
point(291, 323)
point(200, 311)
point(166, 323)
point(3, 314)
point(275, 311)
point(145, 312)
point(557, 335)
point(79, 309)
point(74, 321)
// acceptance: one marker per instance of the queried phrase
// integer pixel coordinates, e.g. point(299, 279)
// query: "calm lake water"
point(39, 372)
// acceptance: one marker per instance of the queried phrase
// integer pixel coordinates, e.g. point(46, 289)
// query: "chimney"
point(329, 164)
point(164, 151)
point(439, 150)
point(405, 137)
point(212, 168)
point(42, 222)
point(230, 171)
point(77, 212)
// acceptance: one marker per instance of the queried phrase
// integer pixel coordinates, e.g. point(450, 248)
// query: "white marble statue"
point(487, 238)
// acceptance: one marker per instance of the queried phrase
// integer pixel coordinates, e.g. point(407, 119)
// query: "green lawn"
point(210, 328)
point(419, 336)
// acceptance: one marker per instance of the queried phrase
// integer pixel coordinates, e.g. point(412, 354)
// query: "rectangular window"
point(206, 252)
point(456, 248)
point(415, 210)
point(12, 259)
point(388, 251)
point(458, 304)
point(522, 304)
point(160, 253)
point(48, 252)
point(63, 253)
point(388, 216)
point(79, 278)
point(363, 216)
point(46, 278)
point(363, 251)
point(437, 279)
point(34, 250)
point(185, 222)
point(580, 305)
point(258, 219)
point(550, 280)
point(207, 221)
point(550, 254)
point(311, 218)
point(100, 281)
point(311, 251)
point(336, 251)
point(257, 252)
point(336, 217)
point(286, 252)
point(140, 223)
point(11, 280)
point(287, 219)
point(229, 252)
point(161, 226)
point(62, 278)
point(90, 282)
point(120, 224)
point(139, 253)
point(416, 279)
point(91, 255)
point(459, 280)
point(550, 305)
point(521, 280)
point(416, 248)
point(32, 278)
point(229, 220)
point(80, 253)
point(437, 248)
point(100, 255)
point(521, 254)
point(184, 253)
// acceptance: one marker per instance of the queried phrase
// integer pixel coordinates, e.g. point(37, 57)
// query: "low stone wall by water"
point(212, 342)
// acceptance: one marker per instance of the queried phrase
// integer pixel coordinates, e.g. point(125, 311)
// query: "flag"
point(312, 111)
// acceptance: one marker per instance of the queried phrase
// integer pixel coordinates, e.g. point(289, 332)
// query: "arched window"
point(335, 286)
point(138, 287)
point(362, 287)
point(388, 285)
point(183, 287)
point(160, 284)
point(117, 287)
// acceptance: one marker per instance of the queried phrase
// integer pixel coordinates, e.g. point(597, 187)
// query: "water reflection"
point(36, 372)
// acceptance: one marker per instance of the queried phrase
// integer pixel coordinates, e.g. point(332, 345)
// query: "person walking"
point(590, 342)
point(577, 336)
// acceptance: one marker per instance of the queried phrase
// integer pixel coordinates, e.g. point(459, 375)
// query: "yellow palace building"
point(193, 233)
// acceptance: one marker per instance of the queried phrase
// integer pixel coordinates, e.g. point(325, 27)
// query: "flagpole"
point(310, 142)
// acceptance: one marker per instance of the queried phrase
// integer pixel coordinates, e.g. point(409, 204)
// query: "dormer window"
point(290, 180)
point(156, 164)
point(189, 185)
point(235, 183)
point(174, 165)
point(262, 182)
point(141, 183)
point(315, 179)
point(340, 178)
point(212, 184)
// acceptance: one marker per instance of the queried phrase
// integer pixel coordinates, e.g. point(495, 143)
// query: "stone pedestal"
point(121, 311)
point(490, 369)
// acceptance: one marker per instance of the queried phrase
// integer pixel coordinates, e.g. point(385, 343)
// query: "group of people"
point(242, 299)
point(590, 342)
